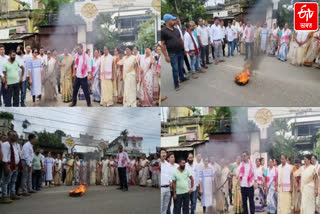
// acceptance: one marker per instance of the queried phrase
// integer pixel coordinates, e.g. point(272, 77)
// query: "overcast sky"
point(102, 123)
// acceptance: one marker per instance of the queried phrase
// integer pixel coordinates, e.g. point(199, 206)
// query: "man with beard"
point(10, 159)
point(181, 190)
point(122, 160)
point(165, 182)
point(193, 169)
point(22, 59)
point(12, 79)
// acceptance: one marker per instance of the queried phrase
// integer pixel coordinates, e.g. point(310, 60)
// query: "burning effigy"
point(244, 77)
point(79, 191)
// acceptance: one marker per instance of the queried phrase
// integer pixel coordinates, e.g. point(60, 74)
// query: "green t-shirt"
point(182, 181)
point(36, 162)
point(12, 72)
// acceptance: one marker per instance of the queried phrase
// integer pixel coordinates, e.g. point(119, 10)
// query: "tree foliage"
point(186, 9)
point(50, 140)
point(124, 134)
point(146, 34)
point(212, 122)
point(316, 150)
point(107, 34)
point(6, 115)
point(280, 144)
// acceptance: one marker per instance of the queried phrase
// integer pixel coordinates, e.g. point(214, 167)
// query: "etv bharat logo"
point(306, 16)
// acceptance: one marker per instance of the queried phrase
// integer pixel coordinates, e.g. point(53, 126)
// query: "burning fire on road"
point(244, 77)
point(79, 191)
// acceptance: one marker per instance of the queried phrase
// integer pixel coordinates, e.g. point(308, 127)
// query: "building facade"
point(133, 145)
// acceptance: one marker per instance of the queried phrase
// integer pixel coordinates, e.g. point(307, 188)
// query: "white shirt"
point(3, 59)
point(44, 59)
point(27, 153)
point(230, 34)
point(88, 61)
point(203, 33)
point(59, 163)
point(195, 175)
point(166, 177)
point(215, 33)
point(172, 169)
point(119, 162)
point(23, 62)
point(64, 161)
point(244, 182)
point(6, 152)
point(188, 42)
point(236, 31)
point(180, 31)
point(223, 32)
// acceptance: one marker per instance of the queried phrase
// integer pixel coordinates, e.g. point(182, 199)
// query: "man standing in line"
point(248, 180)
point(165, 182)
point(173, 49)
point(172, 167)
point(122, 160)
point(27, 155)
point(3, 59)
point(216, 40)
point(203, 37)
point(191, 166)
point(82, 73)
point(10, 159)
point(22, 59)
point(249, 39)
point(12, 79)
point(181, 190)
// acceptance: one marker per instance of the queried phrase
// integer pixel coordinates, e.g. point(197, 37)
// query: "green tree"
point(280, 143)
point(49, 140)
point(186, 9)
point(212, 122)
point(6, 115)
point(51, 8)
point(316, 150)
point(146, 34)
point(106, 33)
point(124, 134)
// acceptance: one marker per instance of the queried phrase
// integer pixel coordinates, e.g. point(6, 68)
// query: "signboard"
point(306, 16)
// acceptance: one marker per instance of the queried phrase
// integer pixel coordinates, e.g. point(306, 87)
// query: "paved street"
point(275, 83)
point(97, 200)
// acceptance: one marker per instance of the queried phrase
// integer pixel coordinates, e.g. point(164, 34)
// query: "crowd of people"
point(188, 45)
point(126, 77)
point(280, 186)
point(24, 172)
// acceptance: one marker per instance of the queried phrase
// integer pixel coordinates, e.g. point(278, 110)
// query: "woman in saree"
point(70, 170)
point(285, 37)
point(313, 50)
point(301, 43)
point(132, 168)
point(309, 187)
point(237, 198)
point(36, 68)
point(66, 64)
point(50, 81)
point(147, 63)
point(93, 168)
point(259, 195)
point(99, 172)
point(116, 59)
point(274, 40)
point(96, 86)
point(270, 187)
point(77, 171)
point(257, 39)
point(130, 78)
point(242, 40)
point(112, 171)
point(296, 195)
point(119, 74)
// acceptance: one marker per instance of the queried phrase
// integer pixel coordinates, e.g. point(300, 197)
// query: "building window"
point(192, 129)
point(134, 145)
point(303, 130)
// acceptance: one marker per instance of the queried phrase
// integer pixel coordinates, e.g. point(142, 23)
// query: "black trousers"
point(182, 202)
point(123, 177)
point(204, 51)
point(64, 175)
point(18, 181)
point(12, 92)
point(186, 60)
point(212, 52)
point(36, 179)
point(83, 82)
point(247, 193)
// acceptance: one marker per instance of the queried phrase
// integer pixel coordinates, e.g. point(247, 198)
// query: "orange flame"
point(79, 191)
point(244, 77)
